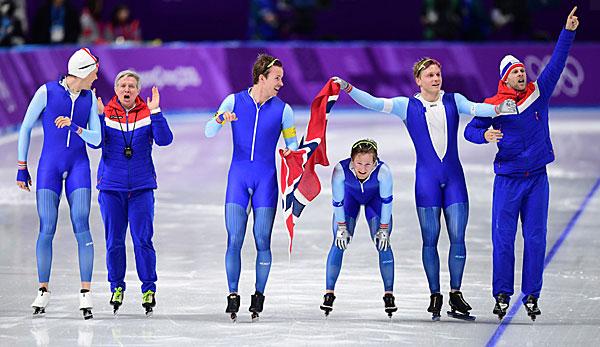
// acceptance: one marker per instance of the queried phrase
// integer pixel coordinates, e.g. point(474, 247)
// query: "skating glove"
point(343, 237)
point(23, 174)
point(343, 84)
point(382, 237)
point(507, 106)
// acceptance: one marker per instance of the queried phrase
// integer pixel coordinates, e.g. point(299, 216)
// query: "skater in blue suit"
point(67, 110)
point(521, 185)
point(361, 180)
point(257, 118)
point(431, 118)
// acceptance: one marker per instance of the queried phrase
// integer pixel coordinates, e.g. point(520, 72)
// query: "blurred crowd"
point(476, 20)
point(59, 22)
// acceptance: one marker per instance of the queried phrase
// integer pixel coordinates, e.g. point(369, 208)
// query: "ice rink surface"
point(190, 240)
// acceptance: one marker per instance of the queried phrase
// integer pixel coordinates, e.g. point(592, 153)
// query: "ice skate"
point(233, 306)
point(501, 305)
point(85, 303)
point(459, 307)
point(390, 305)
point(116, 300)
point(256, 304)
point(148, 302)
point(327, 304)
point(532, 308)
point(40, 302)
point(435, 306)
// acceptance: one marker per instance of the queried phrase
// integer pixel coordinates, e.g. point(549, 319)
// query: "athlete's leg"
point(47, 207)
point(505, 213)
point(456, 216)
point(534, 216)
point(263, 227)
point(386, 257)
point(113, 207)
point(79, 202)
point(429, 220)
point(77, 188)
point(236, 219)
point(335, 256)
point(141, 224)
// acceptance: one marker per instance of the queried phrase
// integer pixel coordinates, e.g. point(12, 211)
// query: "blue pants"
point(236, 219)
point(335, 256)
point(47, 206)
point(513, 197)
point(456, 216)
point(135, 208)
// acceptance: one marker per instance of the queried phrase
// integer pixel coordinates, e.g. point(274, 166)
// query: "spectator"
point(441, 19)
point(56, 22)
point(11, 29)
point(513, 14)
point(122, 27)
point(91, 24)
point(264, 20)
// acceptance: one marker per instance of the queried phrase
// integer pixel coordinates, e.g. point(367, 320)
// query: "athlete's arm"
point(475, 130)
point(473, 109)
point(93, 135)
point(216, 122)
point(337, 192)
point(386, 190)
point(396, 106)
point(34, 110)
point(288, 128)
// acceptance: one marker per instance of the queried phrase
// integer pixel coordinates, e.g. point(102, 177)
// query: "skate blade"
point(233, 317)
point(149, 314)
point(461, 316)
point(39, 312)
point(254, 317)
point(436, 317)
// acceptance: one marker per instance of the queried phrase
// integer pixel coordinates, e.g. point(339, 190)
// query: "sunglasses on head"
point(365, 144)
point(97, 63)
point(269, 66)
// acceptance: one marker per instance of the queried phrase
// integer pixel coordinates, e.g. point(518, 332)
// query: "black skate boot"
point(233, 305)
point(390, 306)
point(435, 306)
point(327, 305)
point(532, 308)
point(458, 303)
point(256, 304)
point(116, 300)
point(501, 306)
point(148, 302)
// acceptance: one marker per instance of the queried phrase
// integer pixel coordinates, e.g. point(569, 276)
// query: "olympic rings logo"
point(570, 80)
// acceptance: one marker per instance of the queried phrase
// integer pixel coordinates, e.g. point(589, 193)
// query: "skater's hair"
point(129, 73)
point(423, 64)
point(364, 146)
point(262, 66)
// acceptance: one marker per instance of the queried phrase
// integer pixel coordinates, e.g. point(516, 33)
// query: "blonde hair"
point(423, 64)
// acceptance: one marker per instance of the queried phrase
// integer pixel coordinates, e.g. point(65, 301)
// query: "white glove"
point(382, 238)
point(342, 237)
point(343, 84)
point(507, 106)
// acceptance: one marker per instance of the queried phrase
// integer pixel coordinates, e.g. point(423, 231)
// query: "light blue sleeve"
point(469, 108)
point(337, 192)
point(396, 106)
point(34, 110)
point(212, 126)
point(93, 134)
point(288, 128)
point(386, 191)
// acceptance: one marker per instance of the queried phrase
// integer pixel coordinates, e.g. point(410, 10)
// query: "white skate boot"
point(40, 302)
point(85, 304)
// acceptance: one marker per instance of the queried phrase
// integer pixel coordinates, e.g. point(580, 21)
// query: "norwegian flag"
point(299, 181)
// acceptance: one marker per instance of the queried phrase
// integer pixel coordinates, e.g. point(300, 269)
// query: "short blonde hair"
point(129, 73)
point(423, 64)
